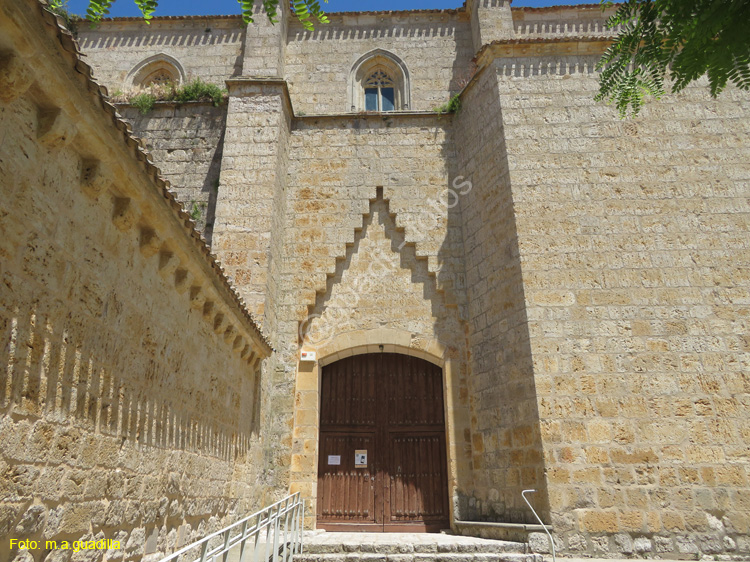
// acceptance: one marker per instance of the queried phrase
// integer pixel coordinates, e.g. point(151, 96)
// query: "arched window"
point(157, 70)
point(379, 81)
point(380, 92)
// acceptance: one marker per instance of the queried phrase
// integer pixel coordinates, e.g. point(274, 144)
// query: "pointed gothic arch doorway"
point(382, 464)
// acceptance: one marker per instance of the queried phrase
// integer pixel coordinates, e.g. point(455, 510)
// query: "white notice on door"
point(334, 459)
point(360, 458)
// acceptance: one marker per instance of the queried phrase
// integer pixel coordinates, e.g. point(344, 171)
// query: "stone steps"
point(409, 547)
point(418, 557)
point(485, 546)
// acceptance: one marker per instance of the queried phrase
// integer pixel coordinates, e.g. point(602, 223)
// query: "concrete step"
point(319, 546)
point(405, 547)
point(418, 557)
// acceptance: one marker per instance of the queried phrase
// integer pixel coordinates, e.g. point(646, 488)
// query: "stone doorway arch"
point(382, 463)
point(306, 430)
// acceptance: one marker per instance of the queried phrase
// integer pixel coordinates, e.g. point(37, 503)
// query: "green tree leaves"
point(304, 10)
point(682, 39)
point(147, 7)
point(98, 9)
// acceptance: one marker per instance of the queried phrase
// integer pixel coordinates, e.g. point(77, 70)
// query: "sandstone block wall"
point(336, 166)
point(587, 293)
point(248, 237)
point(318, 63)
point(491, 20)
point(129, 380)
point(634, 251)
point(371, 248)
point(206, 48)
point(560, 21)
point(506, 442)
point(264, 47)
point(186, 142)
point(252, 176)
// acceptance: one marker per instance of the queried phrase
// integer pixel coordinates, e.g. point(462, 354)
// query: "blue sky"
point(214, 7)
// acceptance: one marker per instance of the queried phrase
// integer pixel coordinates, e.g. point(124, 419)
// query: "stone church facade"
point(577, 284)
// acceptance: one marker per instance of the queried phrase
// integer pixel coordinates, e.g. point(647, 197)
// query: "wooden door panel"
point(392, 406)
point(417, 477)
point(346, 493)
point(417, 396)
point(348, 394)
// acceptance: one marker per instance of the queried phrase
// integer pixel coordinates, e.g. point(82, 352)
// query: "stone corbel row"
point(174, 271)
point(55, 130)
point(15, 77)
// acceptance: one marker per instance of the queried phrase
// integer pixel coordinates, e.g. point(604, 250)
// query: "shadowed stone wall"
point(186, 141)
point(506, 441)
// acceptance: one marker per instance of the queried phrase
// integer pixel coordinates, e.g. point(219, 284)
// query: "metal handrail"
point(549, 536)
point(285, 517)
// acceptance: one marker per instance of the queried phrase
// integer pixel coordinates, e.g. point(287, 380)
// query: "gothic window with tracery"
point(158, 70)
point(379, 81)
point(159, 78)
point(380, 92)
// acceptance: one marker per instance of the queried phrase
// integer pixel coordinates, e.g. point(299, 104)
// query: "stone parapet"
point(587, 20)
point(207, 47)
point(491, 20)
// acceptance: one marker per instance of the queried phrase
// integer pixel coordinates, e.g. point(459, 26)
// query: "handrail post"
point(286, 528)
point(295, 525)
point(227, 534)
point(287, 512)
point(268, 534)
point(243, 541)
point(257, 537)
point(301, 526)
point(276, 533)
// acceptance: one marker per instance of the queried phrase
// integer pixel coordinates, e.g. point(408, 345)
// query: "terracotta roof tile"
point(557, 7)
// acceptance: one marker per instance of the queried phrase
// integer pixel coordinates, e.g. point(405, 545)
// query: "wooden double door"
point(382, 464)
